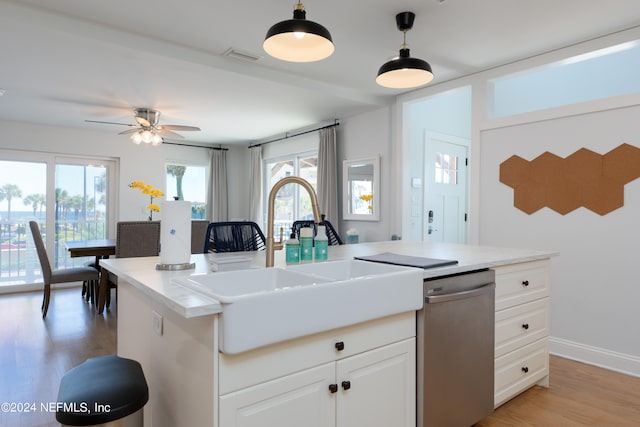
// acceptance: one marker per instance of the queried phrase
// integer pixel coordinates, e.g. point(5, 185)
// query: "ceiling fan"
point(147, 129)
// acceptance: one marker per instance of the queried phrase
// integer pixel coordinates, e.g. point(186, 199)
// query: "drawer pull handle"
point(525, 283)
point(346, 385)
point(525, 369)
point(340, 346)
point(525, 326)
point(333, 388)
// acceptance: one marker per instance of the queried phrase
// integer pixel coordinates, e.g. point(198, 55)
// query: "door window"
point(70, 198)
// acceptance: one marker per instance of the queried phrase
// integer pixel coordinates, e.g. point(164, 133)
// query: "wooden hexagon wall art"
point(582, 179)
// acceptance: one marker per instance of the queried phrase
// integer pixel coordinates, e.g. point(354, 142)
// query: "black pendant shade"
point(404, 72)
point(298, 40)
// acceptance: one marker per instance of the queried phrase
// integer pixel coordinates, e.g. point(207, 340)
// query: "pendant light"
point(404, 72)
point(298, 40)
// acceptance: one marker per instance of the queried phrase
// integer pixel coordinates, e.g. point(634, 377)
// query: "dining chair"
point(198, 235)
point(332, 234)
point(234, 236)
point(66, 275)
point(134, 239)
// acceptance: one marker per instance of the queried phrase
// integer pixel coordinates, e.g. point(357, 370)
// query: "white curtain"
point(328, 175)
point(255, 183)
point(217, 209)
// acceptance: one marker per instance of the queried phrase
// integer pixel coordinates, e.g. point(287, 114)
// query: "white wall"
point(362, 136)
point(595, 289)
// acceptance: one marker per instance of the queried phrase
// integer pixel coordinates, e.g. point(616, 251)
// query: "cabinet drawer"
point(520, 369)
point(266, 363)
point(520, 283)
point(521, 325)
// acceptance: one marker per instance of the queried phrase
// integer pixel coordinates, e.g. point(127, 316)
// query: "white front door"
point(445, 191)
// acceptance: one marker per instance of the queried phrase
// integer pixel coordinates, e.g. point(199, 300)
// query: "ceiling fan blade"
point(143, 121)
point(110, 123)
point(178, 127)
point(129, 131)
point(168, 133)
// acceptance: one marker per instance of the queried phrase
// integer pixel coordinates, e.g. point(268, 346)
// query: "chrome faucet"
point(271, 244)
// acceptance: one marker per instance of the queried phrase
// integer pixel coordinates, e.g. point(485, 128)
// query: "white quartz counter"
point(141, 272)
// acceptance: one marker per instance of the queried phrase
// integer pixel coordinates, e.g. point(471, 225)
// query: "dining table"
point(98, 248)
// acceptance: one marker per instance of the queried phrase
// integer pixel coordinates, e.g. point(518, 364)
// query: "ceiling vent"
point(238, 54)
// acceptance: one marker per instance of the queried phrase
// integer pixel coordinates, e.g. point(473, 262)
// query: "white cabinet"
point(300, 399)
point(369, 379)
point(377, 388)
point(522, 328)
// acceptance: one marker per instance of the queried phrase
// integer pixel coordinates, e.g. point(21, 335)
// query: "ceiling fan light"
point(298, 40)
point(404, 72)
point(147, 136)
point(136, 138)
point(156, 140)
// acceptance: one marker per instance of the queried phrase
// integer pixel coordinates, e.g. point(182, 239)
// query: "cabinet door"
point(377, 388)
point(300, 399)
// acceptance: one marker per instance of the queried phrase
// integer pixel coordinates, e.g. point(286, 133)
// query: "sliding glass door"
point(70, 198)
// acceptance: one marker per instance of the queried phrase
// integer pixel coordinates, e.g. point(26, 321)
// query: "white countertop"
point(142, 274)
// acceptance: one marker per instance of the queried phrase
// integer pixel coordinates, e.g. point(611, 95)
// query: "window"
point(603, 73)
point(292, 201)
point(446, 169)
point(188, 182)
point(70, 198)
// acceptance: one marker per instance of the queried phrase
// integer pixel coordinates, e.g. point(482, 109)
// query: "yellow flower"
point(366, 197)
point(137, 184)
point(156, 193)
point(148, 190)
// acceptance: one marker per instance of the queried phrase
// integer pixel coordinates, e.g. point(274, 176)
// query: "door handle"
point(346, 385)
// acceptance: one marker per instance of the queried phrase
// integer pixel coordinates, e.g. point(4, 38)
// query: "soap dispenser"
point(306, 244)
point(321, 243)
point(292, 248)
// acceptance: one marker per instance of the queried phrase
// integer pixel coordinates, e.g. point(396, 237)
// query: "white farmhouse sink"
point(269, 305)
point(343, 270)
point(231, 286)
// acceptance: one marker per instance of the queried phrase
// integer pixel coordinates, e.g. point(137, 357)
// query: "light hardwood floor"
point(36, 353)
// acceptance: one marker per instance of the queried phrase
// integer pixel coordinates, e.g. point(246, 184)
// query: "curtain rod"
point(194, 145)
point(286, 135)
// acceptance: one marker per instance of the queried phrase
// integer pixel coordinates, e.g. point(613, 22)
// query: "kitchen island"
point(174, 333)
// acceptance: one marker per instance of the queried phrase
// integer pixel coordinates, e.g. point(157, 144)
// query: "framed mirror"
point(360, 189)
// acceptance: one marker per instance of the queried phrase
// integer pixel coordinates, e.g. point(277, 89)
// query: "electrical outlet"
point(157, 323)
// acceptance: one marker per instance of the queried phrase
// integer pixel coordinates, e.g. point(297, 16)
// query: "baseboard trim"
point(619, 362)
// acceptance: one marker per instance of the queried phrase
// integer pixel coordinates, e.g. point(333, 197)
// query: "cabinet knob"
point(346, 385)
point(525, 326)
point(525, 283)
point(340, 346)
point(333, 388)
point(525, 369)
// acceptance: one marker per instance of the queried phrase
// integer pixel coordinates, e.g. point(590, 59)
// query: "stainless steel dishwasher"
point(455, 350)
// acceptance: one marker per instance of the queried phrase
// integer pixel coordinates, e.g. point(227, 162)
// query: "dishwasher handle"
point(435, 299)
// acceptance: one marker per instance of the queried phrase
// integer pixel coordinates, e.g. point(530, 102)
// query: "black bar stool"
point(103, 391)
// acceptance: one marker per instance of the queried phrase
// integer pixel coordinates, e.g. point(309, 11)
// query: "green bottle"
point(292, 249)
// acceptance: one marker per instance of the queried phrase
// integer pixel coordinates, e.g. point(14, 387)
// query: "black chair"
point(49, 276)
point(332, 234)
point(234, 236)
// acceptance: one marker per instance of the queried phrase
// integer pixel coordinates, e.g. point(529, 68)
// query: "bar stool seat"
point(106, 390)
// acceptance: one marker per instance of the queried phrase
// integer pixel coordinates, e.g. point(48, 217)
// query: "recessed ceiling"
point(67, 61)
